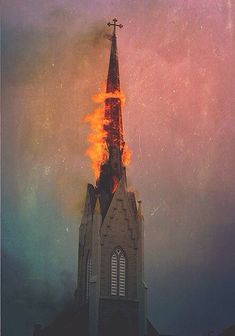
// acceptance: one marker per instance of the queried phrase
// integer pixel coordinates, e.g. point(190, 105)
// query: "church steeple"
point(113, 82)
point(110, 298)
point(113, 169)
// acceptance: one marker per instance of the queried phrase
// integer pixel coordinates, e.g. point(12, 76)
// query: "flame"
point(126, 156)
point(97, 151)
point(101, 97)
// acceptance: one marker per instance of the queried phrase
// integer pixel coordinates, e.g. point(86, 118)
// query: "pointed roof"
point(139, 212)
point(113, 168)
point(97, 209)
point(113, 82)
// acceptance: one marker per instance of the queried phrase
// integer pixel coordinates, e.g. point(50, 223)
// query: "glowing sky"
point(177, 64)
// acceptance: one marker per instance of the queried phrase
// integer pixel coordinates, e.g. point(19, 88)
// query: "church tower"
point(110, 265)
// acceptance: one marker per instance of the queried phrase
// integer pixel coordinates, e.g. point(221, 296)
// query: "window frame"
point(118, 258)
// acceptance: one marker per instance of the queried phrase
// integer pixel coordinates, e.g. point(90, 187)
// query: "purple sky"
point(177, 64)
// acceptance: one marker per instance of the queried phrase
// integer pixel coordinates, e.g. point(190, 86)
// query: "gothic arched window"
point(118, 273)
point(88, 275)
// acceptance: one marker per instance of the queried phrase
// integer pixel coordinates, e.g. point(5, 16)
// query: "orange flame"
point(101, 97)
point(126, 156)
point(97, 150)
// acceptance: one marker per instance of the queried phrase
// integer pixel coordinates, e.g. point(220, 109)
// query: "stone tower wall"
point(116, 232)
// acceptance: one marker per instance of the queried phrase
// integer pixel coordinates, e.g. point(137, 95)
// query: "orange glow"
point(97, 151)
point(115, 184)
point(101, 97)
point(126, 156)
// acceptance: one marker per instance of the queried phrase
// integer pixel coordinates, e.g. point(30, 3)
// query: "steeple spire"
point(113, 170)
point(113, 82)
point(113, 111)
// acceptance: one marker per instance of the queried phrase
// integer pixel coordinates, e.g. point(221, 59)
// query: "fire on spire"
point(107, 150)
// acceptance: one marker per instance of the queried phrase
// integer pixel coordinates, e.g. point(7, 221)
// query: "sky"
point(177, 61)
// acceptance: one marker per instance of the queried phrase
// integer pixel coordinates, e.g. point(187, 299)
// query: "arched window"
point(88, 274)
point(118, 273)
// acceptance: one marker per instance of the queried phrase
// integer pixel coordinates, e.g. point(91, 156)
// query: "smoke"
point(176, 62)
point(51, 70)
point(50, 73)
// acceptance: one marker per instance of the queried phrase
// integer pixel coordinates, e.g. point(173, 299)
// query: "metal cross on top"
point(114, 24)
